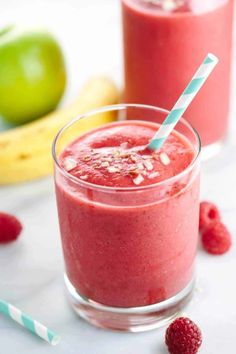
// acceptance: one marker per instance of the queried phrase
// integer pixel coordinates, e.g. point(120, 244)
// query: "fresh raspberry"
point(208, 213)
point(216, 238)
point(183, 337)
point(10, 228)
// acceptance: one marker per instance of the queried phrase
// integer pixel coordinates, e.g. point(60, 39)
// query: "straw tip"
point(55, 340)
point(212, 58)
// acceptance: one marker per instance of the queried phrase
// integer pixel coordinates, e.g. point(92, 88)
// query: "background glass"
point(162, 49)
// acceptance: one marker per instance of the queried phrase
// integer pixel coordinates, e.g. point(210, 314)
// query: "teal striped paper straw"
point(26, 321)
point(183, 102)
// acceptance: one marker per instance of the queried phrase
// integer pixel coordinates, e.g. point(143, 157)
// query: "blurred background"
point(88, 31)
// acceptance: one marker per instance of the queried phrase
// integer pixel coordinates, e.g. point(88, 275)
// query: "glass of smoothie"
point(128, 217)
point(164, 40)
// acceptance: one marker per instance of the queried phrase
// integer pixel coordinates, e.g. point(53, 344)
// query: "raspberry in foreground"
point(183, 337)
point(208, 213)
point(10, 228)
point(216, 238)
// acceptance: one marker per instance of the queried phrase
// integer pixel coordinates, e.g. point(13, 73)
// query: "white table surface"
point(31, 269)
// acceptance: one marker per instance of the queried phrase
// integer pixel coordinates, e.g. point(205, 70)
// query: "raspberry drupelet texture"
point(183, 337)
point(216, 238)
point(208, 213)
point(10, 228)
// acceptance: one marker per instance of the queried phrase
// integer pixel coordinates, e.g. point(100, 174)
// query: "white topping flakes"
point(112, 169)
point(164, 159)
point(84, 177)
point(140, 166)
point(133, 158)
point(107, 158)
point(96, 165)
point(105, 164)
point(133, 172)
point(137, 166)
point(69, 163)
point(148, 165)
point(116, 153)
point(139, 179)
point(153, 175)
point(87, 158)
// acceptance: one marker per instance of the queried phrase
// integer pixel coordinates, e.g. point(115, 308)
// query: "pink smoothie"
point(128, 217)
point(164, 46)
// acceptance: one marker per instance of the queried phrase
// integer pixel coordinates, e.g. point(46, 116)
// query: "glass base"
point(210, 151)
point(135, 319)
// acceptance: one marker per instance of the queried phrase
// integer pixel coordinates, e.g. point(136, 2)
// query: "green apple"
point(32, 74)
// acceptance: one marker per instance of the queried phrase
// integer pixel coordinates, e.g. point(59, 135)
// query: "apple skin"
point(32, 74)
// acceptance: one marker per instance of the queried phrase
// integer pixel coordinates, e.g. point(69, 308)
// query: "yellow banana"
point(25, 152)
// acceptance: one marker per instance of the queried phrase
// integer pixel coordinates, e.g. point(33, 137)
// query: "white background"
point(31, 269)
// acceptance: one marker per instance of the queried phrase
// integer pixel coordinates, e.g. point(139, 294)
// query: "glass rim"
point(118, 107)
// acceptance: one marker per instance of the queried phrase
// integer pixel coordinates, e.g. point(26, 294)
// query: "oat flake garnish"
point(116, 153)
point(96, 165)
point(164, 158)
point(87, 158)
point(148, 165)
point(112, 169)
point(140, 166)
point(106, 159)
point(139, 179)
point(105, 164)
point(84, 177)
point(133, 158)
point(69, 163)
point(133, 172)
point(154, 175)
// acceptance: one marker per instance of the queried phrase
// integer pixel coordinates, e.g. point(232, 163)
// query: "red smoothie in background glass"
point(164, 41)
point(128, 216)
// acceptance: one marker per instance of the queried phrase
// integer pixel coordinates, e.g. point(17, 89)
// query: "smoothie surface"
point(116, 156)
point(176, 6)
